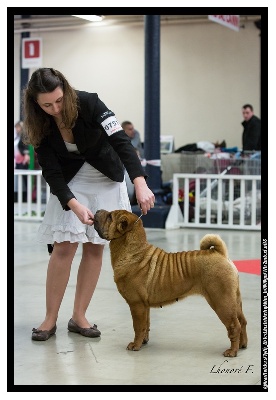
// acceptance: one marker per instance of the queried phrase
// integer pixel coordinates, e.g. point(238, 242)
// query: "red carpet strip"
point(249, 266)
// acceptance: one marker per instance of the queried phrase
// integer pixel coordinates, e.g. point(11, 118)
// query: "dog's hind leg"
point(243, 334)
point(233, 328)
point(140, 317)
point(243, 322)
point(235, 324)
point(226, 310)
point(230, 319)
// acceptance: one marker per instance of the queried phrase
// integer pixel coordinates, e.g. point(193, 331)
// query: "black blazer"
point(108, 152)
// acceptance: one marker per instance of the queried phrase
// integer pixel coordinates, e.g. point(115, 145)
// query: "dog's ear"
point(126, 222)
point(122, 225)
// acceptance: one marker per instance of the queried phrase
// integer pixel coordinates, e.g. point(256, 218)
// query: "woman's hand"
point(83, 213)
point(145, 197)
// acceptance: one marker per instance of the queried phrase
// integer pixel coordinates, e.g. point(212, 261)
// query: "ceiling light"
point(93, 18)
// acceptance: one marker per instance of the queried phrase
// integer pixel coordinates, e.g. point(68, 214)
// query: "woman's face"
point(52, 102)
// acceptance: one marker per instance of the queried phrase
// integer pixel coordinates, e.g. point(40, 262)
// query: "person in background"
point(135, 138)
point(21, 156)
point(251, 136)
point(83, 152)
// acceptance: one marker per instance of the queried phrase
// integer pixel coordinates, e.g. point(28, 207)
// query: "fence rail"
point(37, 193)
point(215, 201)
point(199, 200)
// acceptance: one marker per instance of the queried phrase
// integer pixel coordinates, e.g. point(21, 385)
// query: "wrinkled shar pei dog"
point(147, 276)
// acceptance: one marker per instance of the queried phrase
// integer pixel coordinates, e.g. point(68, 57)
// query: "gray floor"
point(186, 342)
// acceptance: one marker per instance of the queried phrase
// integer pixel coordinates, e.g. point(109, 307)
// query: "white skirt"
point(95, 191)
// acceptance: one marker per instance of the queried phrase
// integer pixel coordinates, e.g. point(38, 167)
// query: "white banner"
point(231, 21)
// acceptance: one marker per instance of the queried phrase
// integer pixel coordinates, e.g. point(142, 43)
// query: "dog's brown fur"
point(146, 276)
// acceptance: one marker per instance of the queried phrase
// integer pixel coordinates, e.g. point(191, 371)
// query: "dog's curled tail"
point(208, 241)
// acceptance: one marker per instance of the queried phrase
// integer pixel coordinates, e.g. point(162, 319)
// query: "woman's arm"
point(52, 173)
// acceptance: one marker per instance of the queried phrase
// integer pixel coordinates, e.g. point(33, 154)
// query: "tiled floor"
point(186, 342)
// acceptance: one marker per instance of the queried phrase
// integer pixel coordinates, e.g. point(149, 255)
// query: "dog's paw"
point(145, 341)
point(131, 346)
point(243, 343)
point(230, 353)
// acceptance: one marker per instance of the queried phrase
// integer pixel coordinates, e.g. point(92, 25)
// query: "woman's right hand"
point(83, 213)
point(145, 197)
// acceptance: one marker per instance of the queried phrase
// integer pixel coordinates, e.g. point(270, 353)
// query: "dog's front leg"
point(140, 318)
point(146, 338)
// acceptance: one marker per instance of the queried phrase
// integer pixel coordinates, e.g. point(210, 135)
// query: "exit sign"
point(31, 52)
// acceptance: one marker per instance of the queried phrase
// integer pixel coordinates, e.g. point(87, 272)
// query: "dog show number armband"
point(111, 125)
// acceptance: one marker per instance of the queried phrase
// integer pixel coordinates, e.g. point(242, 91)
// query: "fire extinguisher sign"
point(31, 52)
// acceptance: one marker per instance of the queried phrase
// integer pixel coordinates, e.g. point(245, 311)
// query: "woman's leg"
point(88, 275)
point(58, 274)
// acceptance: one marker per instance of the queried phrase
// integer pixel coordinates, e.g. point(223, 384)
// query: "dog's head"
point(114, 224)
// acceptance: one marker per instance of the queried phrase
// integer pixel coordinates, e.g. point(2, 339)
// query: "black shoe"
point(88, 332)
point(43, 335)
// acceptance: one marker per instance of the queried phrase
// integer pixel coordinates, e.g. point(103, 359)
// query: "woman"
point(82, 151)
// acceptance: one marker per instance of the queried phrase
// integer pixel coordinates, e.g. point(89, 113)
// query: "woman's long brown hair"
point(36, 120)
